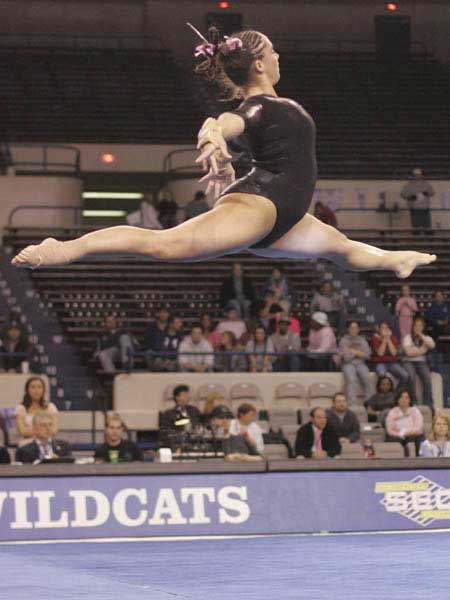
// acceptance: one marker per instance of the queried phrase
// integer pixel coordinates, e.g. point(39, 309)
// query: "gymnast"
point(265, 211)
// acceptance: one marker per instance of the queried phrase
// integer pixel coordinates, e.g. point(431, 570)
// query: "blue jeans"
point(399, 371)
point(109, 356)
point(422, 370)
point(354, 372)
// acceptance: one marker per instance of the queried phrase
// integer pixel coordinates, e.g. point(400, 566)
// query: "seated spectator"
point(226, 360)
point(354, 351)
point(438, 444)
point(261, 352)
point(326, 299)
point(235, 447)
point(195, 354)
point(114, 345)
point(232, 323)
point(155, 330)
point(279, 287)
point(167, 210)
point(405, 309)
point(237, 291)
point(43, 446)
point(209, 330)
point(385, 354)
point(266, 313)
point(15, 319)
point(416, 346)
point(384, 399)
point(321, 340)
point(344, 421)
point(115, 448)
point(4, 454)
point(168, 342)
point(197, 206)
point(294, 323)
point(14, 348)
point(438, 316)
point(325, 214)
point(404, 423)
point(34, 401)
point(317, 439)
point(182, 410)
point(213, 399)
point(245, 425)
point(288, 344)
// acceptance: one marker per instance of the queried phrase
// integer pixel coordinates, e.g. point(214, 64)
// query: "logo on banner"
point(420, 500)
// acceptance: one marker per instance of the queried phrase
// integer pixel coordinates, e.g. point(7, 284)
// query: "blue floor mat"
point(350, 567)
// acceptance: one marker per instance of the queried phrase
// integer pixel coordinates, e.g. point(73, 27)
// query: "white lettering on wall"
point(236, 505)
point(198, 503)
point(119, 507)
point(166, 504)
point(20, 510)
point(45, 513)
point(101, 513)
point(3, 496)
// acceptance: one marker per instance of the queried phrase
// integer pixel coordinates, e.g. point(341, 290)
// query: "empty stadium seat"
point(245, 392)
point(283, 416)
point(276, 452)
point(388, 450)
point(321, 391)
point(374, 431)
point(290, 433)
point(352, 451)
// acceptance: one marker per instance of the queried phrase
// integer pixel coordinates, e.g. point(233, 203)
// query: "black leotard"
point(281, 137)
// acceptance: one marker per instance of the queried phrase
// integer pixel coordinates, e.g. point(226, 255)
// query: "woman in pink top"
point(404, 423)
point(405, 310)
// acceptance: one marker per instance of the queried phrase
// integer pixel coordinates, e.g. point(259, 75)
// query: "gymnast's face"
point(268, 64)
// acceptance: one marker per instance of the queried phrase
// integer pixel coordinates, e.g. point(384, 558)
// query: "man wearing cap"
point(288, 344)
point(235, 447)
point(321, 341)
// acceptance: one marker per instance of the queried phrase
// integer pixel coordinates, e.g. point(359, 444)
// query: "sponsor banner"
point(290, 502)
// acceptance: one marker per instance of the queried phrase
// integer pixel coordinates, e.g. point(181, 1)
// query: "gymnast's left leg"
point(310, 238)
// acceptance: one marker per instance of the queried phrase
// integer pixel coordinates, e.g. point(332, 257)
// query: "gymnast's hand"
point(212, 145)
point(218, 181)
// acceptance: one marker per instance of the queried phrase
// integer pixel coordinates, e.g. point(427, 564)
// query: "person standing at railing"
point(418, 193)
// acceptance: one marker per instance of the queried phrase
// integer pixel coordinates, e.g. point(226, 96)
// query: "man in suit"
point(43, 446)
point(317, 439)
point(344, 421)
point(182, 410)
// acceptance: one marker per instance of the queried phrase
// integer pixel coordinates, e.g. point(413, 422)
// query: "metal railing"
point(57, 41)
point(44, 163)
point(76, 210)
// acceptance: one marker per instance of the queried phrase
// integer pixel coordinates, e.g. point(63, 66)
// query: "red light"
point(108, 158)
point(224, 4)
point(391, 6)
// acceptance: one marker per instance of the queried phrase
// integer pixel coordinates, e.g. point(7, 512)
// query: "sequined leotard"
point(281, 137)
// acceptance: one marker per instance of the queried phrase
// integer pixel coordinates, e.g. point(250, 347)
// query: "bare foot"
point(404, 263)
point(48, 252)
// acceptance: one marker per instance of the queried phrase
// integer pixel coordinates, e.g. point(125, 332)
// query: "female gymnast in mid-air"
point(264, 212)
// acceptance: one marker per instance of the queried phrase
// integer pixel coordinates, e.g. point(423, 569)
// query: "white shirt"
point(253, 430)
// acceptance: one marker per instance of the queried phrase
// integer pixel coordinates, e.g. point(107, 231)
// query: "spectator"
point(235, 447)
point(209, 330)
point(438, 316)
point(385, 354)
point(237, 291)
point(168, 342)
point(197, 206)
point(245, 425)
point(261, 352)
point(115, 448)
point(416, 346)
point(325, 214)
point(213, 399)
point(344, 421)
point(321, 340)
point(317, 439)
point(405, 309)
point(326, 299)
point(167, 210)
point(232, 323)
point(404, 423)
point(384, 399)
point(294, 323)
point(4, 454)
point(266, 312)
point(15, 349)
point(288, 344)
point(34, 402)
point(354, 351)
point(280, 290)
point(43, 446)
point(226, 360)
point(195, 353)
point(156, 329)
point(182, 410)
point(114, 345)
point(418, 192)
point(15, 319)
point(437, 445)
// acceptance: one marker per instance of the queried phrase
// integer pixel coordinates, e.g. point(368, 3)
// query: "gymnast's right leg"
point(236, 222)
